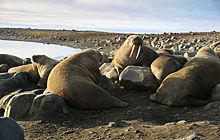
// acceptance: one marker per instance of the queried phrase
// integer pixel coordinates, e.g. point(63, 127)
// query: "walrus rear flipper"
point(188, 101)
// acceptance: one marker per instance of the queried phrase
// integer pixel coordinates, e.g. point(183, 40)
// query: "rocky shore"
point(143, 119)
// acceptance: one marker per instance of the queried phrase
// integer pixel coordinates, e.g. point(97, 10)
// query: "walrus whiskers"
point(132, 51)
point(139, 49)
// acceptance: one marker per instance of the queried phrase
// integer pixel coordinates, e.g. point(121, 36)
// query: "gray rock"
point(181, 122)
point(170, 123)
point(173, 37)
point(194, 40)
point(154, 44)
point(189, 54)
point(112, 124)
point(4, 101)
point(194, 136)
point(12, 81)
point(180, 47)
point(217, 48)
point(176, 52)
point(46, 105)
point(192, 48)
point(10, 129)
point(19, 105)
point(211, 105)
point(215, 45)
point(215, 96)
point(109, 71)
point(138, 78)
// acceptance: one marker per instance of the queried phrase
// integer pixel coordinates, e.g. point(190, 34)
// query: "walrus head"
point(134, 42)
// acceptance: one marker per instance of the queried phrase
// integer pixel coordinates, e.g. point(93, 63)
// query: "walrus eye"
point(132, 50)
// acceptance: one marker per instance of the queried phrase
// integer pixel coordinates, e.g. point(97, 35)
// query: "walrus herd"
point(76, 78)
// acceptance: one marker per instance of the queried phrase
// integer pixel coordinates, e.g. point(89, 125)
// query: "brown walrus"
point(44, 66)
point(132, 52)
point(10, 60)
point(191, 85)
point(76, 78)
point(165, 52)
point(166, 64)
point(32, 73)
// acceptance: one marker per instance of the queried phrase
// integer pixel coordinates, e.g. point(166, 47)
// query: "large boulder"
point(138, 78)
point(12, 81)
point(46, 105)
point(31, 105)
point(109, 71)
point(10, 129)
point(19, 105)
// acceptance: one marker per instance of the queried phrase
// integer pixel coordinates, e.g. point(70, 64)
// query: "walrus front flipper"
point(188, 101)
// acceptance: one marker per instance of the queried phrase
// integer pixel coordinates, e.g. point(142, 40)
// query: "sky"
point(121, 16)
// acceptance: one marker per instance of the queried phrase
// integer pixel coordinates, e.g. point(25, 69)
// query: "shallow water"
point(27, 49)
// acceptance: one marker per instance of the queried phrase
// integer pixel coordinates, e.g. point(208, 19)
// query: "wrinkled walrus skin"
point(76, 78)
point(191, 85)
point(44, 66)
point(132, 52)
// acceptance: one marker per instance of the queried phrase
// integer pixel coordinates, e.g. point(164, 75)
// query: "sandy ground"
point(143, 119)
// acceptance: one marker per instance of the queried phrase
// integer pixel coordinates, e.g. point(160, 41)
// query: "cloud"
point(113, 15)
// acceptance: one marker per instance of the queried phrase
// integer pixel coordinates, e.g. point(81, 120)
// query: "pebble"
point(112, 124)
point(182, 122)
point(92, 132)
point(170, 123)
point(186, 108)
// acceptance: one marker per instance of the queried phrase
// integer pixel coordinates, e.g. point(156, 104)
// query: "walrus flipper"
point(119, 103)
point(189, 101)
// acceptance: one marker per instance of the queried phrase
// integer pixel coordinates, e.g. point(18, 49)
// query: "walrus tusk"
point(32, 61)
point(139, 49)
point(132, 50)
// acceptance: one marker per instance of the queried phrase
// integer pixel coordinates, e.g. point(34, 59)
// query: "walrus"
point(75, 79)
point(164, 52)
point(32, 72)
point(4, 68)
point(44, 66)
point(10, 60)
point(27, 61)
point(166, 64)
point(191, 85)
point(132, 52)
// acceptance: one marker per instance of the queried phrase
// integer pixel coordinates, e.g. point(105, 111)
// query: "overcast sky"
point(129, 16)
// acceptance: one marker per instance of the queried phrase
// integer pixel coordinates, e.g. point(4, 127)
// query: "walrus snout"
point(133, 48)
point(34, 59)
point(137, 42)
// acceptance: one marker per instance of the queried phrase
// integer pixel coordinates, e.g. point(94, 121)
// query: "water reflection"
point(27, 49)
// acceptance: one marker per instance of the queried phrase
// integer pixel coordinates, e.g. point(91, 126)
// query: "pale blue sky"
point(129, 16)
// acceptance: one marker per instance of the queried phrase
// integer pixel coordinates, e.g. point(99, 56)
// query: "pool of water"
point(27, 49)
